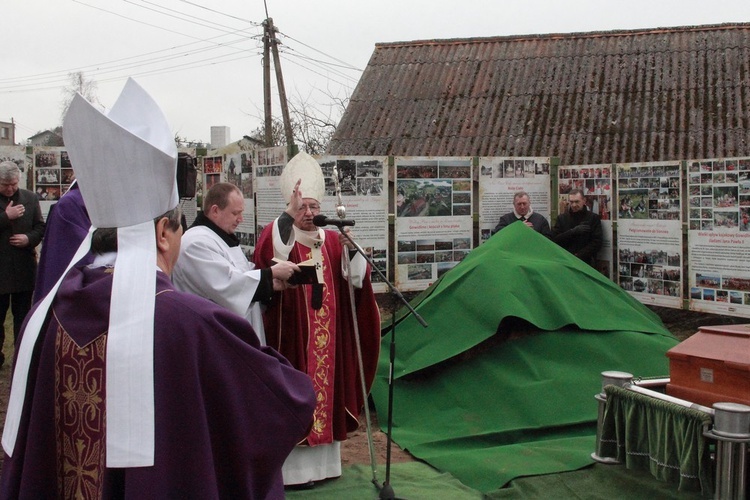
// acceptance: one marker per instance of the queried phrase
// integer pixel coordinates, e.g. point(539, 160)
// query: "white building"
point(220, 137)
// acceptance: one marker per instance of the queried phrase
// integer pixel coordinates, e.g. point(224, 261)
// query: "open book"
point(307, 275)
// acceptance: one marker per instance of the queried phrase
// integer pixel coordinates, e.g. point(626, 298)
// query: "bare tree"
point(277, 133)
point(313, 124)
point(78, 84)
point(184, 142)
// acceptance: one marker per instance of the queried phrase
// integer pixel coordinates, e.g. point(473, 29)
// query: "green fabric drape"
point(519, 407)
point(516, 273)
point(665, 438)
point(488, 402)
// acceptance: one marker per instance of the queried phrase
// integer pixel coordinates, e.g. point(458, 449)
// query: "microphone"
point(321, 220)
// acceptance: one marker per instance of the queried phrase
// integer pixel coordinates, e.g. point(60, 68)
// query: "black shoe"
point(302, 486)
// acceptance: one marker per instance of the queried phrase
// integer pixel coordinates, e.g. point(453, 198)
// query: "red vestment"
point(322, 342)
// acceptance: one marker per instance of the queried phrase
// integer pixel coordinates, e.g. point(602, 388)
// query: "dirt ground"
point(356, 449)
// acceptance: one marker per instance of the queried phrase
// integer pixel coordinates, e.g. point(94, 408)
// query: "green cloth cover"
point(488, 408)
point(520, 273)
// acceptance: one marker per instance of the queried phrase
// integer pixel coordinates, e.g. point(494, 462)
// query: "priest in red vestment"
point(312, 324)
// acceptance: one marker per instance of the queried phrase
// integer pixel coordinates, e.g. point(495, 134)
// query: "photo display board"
point(433, 220)
point(212, 171)
point(269, 204)
point(53, 175)
point(649, 232)
point(364, 195)
point(501, 178)
point(719, 235)
point(237, 170)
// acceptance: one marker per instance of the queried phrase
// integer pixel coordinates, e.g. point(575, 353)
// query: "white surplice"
point(208, 267)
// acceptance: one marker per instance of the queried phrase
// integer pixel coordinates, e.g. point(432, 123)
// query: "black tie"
point(522, 219)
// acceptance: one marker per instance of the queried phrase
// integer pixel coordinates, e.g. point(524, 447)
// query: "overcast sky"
point(201, 60)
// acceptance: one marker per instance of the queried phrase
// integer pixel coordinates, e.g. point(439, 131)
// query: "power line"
point(187, 66)
point(259, 25)
point(322, 65)
point(62, 76)
point(143, 63)
point(156, 71)
point(344, 63)
point(135, 20)
point(297, 63)
point(197, 21)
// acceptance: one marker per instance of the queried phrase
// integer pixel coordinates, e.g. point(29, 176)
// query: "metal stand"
point(386, 490)
point(731, 431)
point(620, 379)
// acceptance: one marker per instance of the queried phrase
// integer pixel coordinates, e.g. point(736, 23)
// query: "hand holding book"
point(304, 274)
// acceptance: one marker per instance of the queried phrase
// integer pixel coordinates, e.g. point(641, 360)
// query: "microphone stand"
point(360, 364)
point(341, 212)
point(386, 490)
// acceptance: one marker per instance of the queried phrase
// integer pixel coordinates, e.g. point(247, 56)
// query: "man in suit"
point(523, 212)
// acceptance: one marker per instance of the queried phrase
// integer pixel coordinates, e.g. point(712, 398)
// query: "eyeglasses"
point(304, 208)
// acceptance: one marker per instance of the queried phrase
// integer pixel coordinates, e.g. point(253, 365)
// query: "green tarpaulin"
point(489, 404)
point(418, 481)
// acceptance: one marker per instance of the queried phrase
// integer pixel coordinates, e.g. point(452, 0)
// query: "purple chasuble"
point(228, 412)
point(67, 225)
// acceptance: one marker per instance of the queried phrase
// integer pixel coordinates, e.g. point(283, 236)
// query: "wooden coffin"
point(712, 365)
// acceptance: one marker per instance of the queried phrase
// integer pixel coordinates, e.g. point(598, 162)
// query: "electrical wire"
point(143, 64)
point(224, 13)
point(61, 77)
point(95, 72)
point(195, 20)
point(344, 63)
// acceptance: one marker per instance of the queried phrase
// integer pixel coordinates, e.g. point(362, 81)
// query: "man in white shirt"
point(213, 265)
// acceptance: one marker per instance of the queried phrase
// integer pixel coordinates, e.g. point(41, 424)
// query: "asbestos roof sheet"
point(587, 98)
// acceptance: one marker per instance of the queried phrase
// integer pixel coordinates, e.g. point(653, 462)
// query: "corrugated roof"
point(587, 98)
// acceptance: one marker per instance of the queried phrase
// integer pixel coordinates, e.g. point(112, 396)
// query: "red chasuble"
point(321, 342)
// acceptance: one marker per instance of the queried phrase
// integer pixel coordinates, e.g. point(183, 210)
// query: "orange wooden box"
point(712, 365)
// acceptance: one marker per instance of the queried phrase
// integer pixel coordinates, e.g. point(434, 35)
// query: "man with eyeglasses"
point(213, 265)
point(312, 324)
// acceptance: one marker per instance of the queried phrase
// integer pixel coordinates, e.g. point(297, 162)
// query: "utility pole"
point(268, 137)
point(270, 40)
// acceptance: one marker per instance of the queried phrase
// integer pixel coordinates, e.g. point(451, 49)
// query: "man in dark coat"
point(21, 230)
point(523, 212)
point(578, 229)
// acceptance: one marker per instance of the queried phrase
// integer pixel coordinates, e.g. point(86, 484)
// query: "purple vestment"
point(227, 411)
point(67, 225)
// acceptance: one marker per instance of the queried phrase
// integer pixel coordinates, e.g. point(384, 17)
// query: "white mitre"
point(125, 163)
point(305, 167)
point(125, 160)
